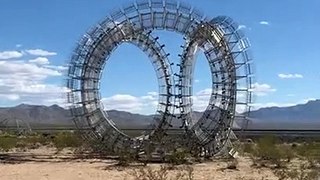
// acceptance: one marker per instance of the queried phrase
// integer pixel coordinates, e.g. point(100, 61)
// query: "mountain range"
point(302, 116)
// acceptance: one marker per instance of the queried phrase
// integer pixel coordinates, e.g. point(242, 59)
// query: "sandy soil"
point(44, 164)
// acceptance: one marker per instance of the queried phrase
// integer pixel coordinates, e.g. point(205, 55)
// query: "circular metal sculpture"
point(219, 39)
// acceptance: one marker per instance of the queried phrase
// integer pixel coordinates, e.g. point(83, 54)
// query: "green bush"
point(300, 173)
point(8, 142)
point(65, 139)
point(248, 148)
point(310, 152)
point(184, 173)
point(177, 157)
point(268, 151)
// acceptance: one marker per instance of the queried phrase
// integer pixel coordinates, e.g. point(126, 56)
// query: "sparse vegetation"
point(7, 142)
point(301, 172)
point(32, 141)
point(178, 157)
point(296, 161)
point(147, 173)
point(64, 140)
point(269, 152)
point(310, 152)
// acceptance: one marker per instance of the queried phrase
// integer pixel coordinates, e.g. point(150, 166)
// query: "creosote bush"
point(8, 142)
point(301, 172)
point(35, 140)
point(162, 173)
point(65, 139)
point(311, 152)
point(126, 157)
point(178, 156)
point(267, 151)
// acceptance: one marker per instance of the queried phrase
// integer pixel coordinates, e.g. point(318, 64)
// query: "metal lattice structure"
point(220, 39)
point(19, 126)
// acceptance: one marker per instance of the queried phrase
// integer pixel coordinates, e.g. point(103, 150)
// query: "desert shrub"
point(300, 173)
point(35, 141)
point(310, 152)
point(184, 173)
point(247, 148)
point(8, 142)
point(177, 157)
point(149, 174)
point(126, 157)
point(232, 164)
point(64, 139)
point(287, 152)
point(267, 150)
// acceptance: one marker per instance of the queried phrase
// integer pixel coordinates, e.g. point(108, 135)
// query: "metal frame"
point(220, 39)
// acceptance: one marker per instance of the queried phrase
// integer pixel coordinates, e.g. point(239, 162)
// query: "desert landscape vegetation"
point(65, 155)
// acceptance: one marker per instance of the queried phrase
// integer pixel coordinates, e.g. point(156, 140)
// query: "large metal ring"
point(220, 39)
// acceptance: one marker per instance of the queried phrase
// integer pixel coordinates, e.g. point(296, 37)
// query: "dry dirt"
point(45, 164)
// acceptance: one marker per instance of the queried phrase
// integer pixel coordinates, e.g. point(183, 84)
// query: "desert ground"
point(45, 163)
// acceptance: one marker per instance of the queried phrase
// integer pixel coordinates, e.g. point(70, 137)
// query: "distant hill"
point(55, 115)
point(303, 116)
point(294, 117)
point(303, 112)
point(36, 114)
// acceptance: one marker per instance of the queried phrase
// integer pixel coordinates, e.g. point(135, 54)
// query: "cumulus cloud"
point(201, 99)
point(241, 26)
point(10, 97)
point(147, 104)
point(10, 55)
point(264, 23)
point(25, 82)
point(40, 52)
point(16, 70)
point(124, 102)
point(290, 76)
point(262, 89)
point(40, 60)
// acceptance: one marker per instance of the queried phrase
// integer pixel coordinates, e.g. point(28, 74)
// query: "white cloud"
point(290, 76)
point(37, 88)
point(241, 26)
point(135, 104)
point(25, 82)
point(10, 97)
point(40, 61)
point(264, 23)
point(58, 68)
point(271, 104)
point(147, 104)
point(10, 54)
point(201, 99)
point(40, 52)
point(196, 80)
point(262, 89)
point(16, 70)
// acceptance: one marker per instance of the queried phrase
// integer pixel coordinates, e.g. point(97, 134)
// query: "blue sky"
point(37, 38)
